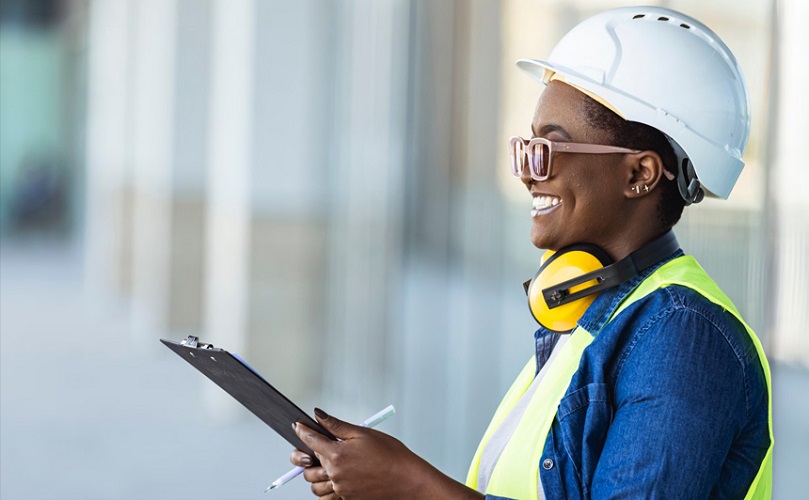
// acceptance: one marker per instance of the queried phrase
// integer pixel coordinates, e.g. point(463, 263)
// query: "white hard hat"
point(667, 70)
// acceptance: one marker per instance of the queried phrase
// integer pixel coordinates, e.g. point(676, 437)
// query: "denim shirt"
point(669, 401)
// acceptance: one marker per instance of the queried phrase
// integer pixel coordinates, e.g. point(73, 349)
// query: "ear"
point(643, 173)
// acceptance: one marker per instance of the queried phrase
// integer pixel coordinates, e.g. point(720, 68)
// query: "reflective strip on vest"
point(516, 474)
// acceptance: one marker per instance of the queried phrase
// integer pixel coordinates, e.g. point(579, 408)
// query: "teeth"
point(541, 202)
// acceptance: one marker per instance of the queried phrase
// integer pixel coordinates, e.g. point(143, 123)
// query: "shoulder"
point(685, 314)
point(676, 331)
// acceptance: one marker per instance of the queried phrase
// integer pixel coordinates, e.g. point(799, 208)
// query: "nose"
point(525, 174)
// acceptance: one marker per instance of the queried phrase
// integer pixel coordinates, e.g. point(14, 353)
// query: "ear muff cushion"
point(561, 266)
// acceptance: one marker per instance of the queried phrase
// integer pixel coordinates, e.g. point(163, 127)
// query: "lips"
point(545, 203)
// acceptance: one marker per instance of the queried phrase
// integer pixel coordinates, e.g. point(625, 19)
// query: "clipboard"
point(231, 373)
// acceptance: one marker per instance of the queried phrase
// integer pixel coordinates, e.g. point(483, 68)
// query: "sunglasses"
point(539, 154)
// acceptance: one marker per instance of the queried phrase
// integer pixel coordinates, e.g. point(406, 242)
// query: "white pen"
point(371, 421)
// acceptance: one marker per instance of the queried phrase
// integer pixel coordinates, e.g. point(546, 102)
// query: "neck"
point(631, 239)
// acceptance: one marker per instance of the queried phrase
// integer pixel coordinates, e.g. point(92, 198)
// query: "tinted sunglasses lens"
point(516, 152)
point(539, 155)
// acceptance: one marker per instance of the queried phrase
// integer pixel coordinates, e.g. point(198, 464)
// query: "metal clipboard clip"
point(193, 341)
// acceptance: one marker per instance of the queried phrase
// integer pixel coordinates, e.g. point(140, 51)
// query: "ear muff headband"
point(567, 282)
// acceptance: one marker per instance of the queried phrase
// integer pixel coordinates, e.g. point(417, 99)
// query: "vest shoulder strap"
point(684, 271)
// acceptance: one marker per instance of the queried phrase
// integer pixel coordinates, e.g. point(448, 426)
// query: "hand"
point(322, 487)
point(365, 464)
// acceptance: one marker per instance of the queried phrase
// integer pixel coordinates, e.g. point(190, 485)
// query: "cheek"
point(590, 212)
point(594, 200)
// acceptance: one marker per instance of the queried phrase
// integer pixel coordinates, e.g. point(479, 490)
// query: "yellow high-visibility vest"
point(516, 473)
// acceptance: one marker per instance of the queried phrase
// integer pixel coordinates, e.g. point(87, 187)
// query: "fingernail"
point(322, 415)
point(294, 426)
point(306, 461)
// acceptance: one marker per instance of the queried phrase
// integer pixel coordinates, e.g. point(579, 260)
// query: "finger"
point(315, 474)
point(337, 427)
point(313, 439)
point(297, 457)
point(323, 488)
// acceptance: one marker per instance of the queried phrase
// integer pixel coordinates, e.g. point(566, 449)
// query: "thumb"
point(337, 427)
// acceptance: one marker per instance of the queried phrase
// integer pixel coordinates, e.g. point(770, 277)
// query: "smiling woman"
point(653, 376)
point(583, 186)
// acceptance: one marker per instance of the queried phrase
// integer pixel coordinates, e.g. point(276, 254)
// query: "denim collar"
point(605, 304)
point(597, 315)
point(599, 312)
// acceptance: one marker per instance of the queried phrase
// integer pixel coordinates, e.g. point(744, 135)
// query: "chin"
point(540, 240)
point(548, 240)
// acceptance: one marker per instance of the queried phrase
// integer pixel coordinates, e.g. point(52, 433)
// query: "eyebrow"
point(548, 128)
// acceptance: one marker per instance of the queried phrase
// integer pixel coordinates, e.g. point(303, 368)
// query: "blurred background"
point(321, 186)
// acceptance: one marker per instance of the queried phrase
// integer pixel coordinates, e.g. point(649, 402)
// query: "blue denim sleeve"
point(679, 400)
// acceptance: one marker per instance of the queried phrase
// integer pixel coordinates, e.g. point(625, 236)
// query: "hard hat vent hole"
point(639, 16)
point(662, 18)
point(685, 26)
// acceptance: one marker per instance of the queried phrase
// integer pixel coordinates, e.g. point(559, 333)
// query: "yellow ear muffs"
point(558, 267)
point(569, 280)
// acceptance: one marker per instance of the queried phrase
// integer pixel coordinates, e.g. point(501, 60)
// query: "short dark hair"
point(636, 135)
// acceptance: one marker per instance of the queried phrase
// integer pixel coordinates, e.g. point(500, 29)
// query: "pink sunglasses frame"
point(518, 165)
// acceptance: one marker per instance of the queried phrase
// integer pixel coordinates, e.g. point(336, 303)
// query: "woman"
point(661, 390)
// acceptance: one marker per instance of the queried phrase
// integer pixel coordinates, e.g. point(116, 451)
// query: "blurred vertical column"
point(269, 186)
point(363, 202)
point(422, 341)
point(230, 136)
point(153, 127)
point(289, 192)
point(789, 178)
point(448, 356)
point(108, 198)
point(187, 238)
point(476, 334)
point(147, 119)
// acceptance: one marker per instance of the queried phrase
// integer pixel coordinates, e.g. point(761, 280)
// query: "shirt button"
point(547, 464)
